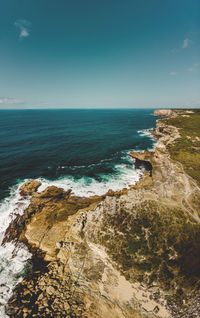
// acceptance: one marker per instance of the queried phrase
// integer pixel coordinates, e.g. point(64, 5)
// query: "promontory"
point(127, 254)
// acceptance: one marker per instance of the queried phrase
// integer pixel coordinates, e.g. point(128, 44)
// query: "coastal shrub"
point(156, 240)
point(186, 149)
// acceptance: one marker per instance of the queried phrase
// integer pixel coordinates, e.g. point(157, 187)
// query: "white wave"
point(148, 133)
point(13, 255)
point(86, 166)
point(124, 176)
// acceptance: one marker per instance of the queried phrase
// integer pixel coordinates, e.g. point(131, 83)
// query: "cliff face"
point(163, 112)
point(132, 253)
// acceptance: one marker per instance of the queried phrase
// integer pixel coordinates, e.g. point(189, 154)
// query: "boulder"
point(29, 187)
point(53, 191)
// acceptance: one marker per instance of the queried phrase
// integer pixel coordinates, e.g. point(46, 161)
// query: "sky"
point(99, 53)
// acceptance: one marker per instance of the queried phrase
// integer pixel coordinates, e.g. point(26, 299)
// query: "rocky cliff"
point(132, 253)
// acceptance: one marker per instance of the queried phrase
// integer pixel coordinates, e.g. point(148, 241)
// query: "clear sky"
point(99, 53)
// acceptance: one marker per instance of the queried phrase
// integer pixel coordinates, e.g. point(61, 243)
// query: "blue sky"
point(102, 53)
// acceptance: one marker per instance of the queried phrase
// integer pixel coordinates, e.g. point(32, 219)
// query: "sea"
point(86, 150)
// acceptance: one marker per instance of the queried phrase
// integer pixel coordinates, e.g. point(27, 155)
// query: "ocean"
point(83, 150)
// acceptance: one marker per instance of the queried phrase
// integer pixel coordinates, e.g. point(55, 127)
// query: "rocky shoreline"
point(116, 255)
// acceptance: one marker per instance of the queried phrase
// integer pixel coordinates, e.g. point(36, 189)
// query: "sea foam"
point(13, 255)
point(148, 133)
point(123, 176)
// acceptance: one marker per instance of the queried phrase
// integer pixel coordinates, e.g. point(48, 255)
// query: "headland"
point(129, 253)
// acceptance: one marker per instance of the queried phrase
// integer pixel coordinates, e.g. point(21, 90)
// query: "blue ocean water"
point(85, 150)
point(79, 147)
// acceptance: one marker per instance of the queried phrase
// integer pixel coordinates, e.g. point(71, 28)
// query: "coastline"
point(17, 253)
point(91, 160)
point(81, 234)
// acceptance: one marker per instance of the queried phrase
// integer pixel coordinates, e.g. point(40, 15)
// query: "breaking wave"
point(13, 255)
point(123, 176)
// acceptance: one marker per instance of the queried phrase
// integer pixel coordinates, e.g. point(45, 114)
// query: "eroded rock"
point(163, 112)
point(29, 187)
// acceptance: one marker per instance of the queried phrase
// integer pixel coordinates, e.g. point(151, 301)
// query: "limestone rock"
point(143, 160)
point(53, 191)
point(29, 187)
point(142, 156)
point(163, 112)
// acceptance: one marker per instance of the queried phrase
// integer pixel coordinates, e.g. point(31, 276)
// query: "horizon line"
point(100, 108)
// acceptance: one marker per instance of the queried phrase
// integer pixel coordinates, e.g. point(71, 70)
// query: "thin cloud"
point(24, 28)
point(174, 50)
point(194, 68)
point(185, 43)
point(173, 73)
point(8, 101)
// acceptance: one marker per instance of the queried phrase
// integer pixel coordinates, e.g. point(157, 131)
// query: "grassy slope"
point(157, 244)
point(187, 148)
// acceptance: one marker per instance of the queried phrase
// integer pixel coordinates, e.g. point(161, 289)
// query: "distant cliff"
point(163, 112)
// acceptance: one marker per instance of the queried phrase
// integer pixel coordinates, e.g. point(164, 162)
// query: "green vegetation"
point(186, 149)
point(158, 244)
point(195, 201)
point(154, 244)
